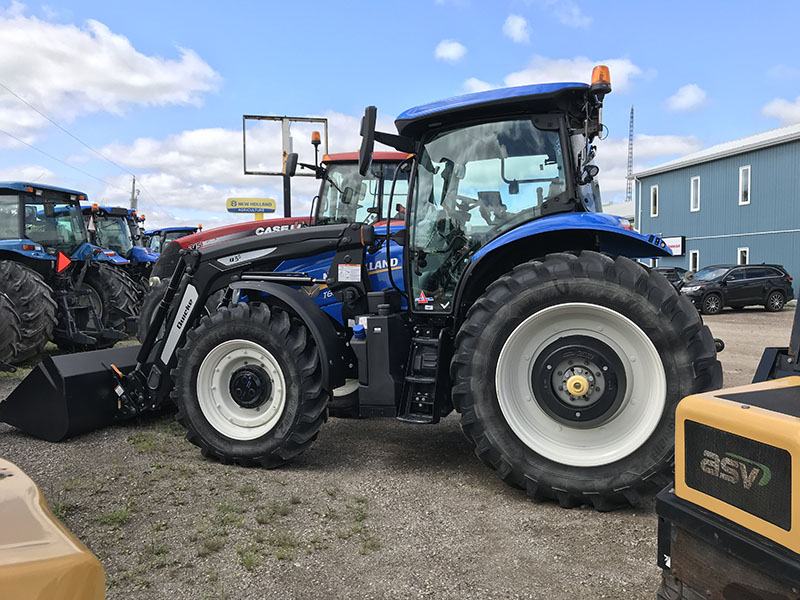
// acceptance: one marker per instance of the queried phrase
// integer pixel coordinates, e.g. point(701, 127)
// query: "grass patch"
point(210, 545)
point(146, 442)
point(272, 511)
point(231, 514)
point(369, 543)
point(115, 518)
point(249, 557)
point(285, 543)
point(248, 491)
point(63, 509)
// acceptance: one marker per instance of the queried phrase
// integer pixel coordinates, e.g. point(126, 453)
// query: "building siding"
point(769, 226)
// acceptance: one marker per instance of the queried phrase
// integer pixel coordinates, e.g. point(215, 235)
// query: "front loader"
point(516, 302)
point(729, 527)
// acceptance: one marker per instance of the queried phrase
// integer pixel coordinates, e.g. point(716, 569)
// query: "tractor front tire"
point(248, 386)
point(33, 302)
point(9, 330)
point(567, 372)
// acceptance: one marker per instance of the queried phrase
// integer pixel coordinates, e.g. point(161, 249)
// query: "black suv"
point(738, 286)
point(673, 274)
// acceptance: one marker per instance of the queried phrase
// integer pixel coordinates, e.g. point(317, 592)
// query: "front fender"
point(612, 236)
point(318, 323)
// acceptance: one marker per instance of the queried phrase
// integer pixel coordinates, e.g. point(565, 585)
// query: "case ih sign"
point(676, 244)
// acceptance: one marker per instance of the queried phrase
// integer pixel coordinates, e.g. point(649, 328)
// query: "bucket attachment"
point(67, 395)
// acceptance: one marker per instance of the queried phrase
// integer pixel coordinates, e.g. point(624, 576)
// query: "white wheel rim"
point(214, 397)
point(638, 414)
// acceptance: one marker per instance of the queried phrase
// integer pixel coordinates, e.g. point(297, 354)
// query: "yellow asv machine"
point(39, 558)
point(730, 527)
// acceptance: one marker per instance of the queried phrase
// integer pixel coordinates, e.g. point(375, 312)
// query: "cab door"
point(735, 287)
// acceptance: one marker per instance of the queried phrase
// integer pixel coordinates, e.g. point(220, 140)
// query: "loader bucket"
point(67, 395)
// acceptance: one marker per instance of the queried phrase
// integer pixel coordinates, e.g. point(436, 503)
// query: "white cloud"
point(688, 98)
point(450, 51)
point(542, 69)
point(783, 72)
point(516, 29)
point(31, 174)
point(66, 70)
point(785, 111)
point(567, 13)
point(473, 84)
point(648, 150)
point(196, 170)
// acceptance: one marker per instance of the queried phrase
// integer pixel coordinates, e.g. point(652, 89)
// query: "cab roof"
point(376, 157)
point(164, 229)
point(21, 186)
point(542, 97)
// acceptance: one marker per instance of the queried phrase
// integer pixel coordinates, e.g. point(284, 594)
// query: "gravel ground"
point(376, 509)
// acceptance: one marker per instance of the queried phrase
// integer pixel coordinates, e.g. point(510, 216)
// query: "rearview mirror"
point(367, 139)
point(290, 166)
point(347, 196)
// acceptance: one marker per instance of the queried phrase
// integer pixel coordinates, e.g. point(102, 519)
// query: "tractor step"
point(425, 384)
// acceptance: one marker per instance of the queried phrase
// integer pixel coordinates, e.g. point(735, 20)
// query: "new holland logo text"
point(734, 469)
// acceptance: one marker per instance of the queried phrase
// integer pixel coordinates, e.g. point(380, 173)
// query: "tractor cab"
point(157, 239)
point(109, 228)
point(346, 196)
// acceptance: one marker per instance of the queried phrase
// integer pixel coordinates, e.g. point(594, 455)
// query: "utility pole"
point(134, 197)
point(629, 186)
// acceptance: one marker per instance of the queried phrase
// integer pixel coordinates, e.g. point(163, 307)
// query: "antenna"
point(629, 185)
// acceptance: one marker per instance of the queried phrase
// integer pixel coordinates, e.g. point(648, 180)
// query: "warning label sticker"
point(349, 273)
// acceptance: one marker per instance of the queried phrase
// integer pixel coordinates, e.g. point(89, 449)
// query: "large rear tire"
point(567, 372)
point(33, 302)
point(248, 386)
point(9, 330)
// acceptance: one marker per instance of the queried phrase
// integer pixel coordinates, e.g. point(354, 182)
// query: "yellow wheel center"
point(577, 385)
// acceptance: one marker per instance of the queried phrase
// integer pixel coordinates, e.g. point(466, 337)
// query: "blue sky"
point(160, 87)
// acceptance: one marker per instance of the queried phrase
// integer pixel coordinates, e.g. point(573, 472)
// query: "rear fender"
point(331, 348)
point(558, 233)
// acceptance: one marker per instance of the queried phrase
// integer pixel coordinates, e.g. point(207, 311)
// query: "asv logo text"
point(734, 469)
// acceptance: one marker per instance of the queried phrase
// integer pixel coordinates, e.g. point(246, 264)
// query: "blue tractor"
point(62, 287)
point(119, 229)
point(157, 239)
point(517, 303)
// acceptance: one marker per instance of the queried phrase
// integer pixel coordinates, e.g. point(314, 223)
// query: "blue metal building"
point(735, 203)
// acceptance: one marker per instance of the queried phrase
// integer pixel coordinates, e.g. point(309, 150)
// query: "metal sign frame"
point(286, 139)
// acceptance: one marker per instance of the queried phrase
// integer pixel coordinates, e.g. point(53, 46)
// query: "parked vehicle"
point(715, 287)
point(564, 360)
point(157, 239)
point(674, 275)
point(62, 287)
point(118, 229)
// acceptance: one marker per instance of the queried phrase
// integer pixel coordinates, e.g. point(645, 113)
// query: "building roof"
point(626, 210)
point(773, 137)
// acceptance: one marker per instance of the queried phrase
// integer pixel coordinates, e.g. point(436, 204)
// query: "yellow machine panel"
point(39, 558)
point(737, 454)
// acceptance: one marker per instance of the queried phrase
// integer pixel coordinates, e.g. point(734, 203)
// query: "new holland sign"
point(251, 205)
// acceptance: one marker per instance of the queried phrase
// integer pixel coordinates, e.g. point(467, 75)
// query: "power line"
point(76, 138)
point(66, 164)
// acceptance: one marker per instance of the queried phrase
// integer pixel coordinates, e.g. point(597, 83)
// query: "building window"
point(743, 256)
point(744, 185)
point(653, 200)
point(694, 205)
point(694, 260)
point(653, 263)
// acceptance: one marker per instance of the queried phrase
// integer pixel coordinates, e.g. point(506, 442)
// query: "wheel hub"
point(579, 381)
point(250, 386)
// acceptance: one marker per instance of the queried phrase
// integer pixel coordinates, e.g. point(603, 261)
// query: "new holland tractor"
point(118, 229)
point(517, 304)
point(62, 287)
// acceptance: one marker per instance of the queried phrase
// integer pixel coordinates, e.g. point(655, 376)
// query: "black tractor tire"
point(578, 307)
point(33, 303)
point(712, 304)
point(9, 330)
point(154, 296)
point(282, 350)
point(775, 301)
point(110, 288)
